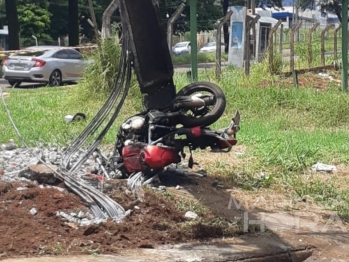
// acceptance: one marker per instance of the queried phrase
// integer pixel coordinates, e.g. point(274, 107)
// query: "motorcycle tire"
point(214, 114)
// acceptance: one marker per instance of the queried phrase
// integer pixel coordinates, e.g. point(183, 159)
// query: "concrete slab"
point(265, 247)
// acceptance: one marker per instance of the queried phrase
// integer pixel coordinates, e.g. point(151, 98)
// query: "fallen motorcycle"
point(150, 141)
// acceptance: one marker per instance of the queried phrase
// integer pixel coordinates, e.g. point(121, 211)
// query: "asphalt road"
point(5, 85)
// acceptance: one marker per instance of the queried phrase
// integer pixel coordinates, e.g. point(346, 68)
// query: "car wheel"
point(55, 78)
point(14, 83)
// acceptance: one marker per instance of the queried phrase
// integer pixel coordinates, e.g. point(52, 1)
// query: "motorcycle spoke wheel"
point(202, 111)
point(207, 115)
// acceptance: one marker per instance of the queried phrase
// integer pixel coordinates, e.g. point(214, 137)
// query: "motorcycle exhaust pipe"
point(195, 101)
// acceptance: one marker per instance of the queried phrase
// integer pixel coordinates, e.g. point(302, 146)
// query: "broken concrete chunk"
point(323, 167)
point(21, 188)
point(162, 188)
point(191, 214)
point(9, 146)
point(72, 225)
point(81, 214)
point(33, 211)
point(41, 173)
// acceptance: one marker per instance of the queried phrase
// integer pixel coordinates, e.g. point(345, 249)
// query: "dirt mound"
point(30, 226)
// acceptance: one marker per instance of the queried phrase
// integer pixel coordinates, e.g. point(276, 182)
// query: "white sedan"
point(44, 64)
point(210, 47)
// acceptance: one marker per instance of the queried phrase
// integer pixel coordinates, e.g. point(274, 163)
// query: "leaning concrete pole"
point(170, 23)
point(345, 45)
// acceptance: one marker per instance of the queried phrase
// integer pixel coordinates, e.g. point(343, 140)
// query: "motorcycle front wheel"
point(207, 115)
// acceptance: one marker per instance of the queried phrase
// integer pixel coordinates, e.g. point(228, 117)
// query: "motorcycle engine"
point(134, 129)
point(137, 155)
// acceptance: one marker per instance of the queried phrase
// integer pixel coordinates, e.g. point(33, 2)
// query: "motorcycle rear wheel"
point(210, 117)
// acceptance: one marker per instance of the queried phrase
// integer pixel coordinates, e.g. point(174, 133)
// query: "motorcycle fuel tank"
point(137, 157)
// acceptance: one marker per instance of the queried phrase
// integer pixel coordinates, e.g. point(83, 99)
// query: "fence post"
point(247, 43)
point(323, 43)
point(219, 41)
point(293, 30)
point(335, 49)
point(281, 37)
point(310, 39)
point(271, 44)
point(170, 23)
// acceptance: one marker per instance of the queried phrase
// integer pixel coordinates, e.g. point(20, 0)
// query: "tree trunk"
point(225, 26)
point(106, 25)
point(13, 24)
point(73, 22)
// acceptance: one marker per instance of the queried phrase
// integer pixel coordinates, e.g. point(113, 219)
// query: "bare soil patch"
point(156, 221)
point(318, 81)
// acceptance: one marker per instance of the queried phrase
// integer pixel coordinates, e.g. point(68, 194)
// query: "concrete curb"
point(264, 248)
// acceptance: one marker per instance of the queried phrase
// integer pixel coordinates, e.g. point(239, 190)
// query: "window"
point(62, 54)
point(74, 54)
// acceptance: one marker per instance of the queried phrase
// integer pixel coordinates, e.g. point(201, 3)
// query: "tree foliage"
point(333, 6)
point(208, 12)
point(34, 19)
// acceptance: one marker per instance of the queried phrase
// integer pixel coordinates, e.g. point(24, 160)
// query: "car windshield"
point(181, 44)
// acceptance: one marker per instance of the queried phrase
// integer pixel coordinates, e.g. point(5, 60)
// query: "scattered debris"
point(239, 153)
point(5, 94)
point(33, 211)
point(21, 188)
point(77, 117)
point(327, 76)
point(190, 214)
point(10, 145)
point(162, 188)
point(82, 220)
point(324, 167)
point(43, 174)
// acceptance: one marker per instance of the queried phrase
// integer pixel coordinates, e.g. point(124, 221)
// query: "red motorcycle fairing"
point(138, 157)
point(159, 157)
point(131, 156)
